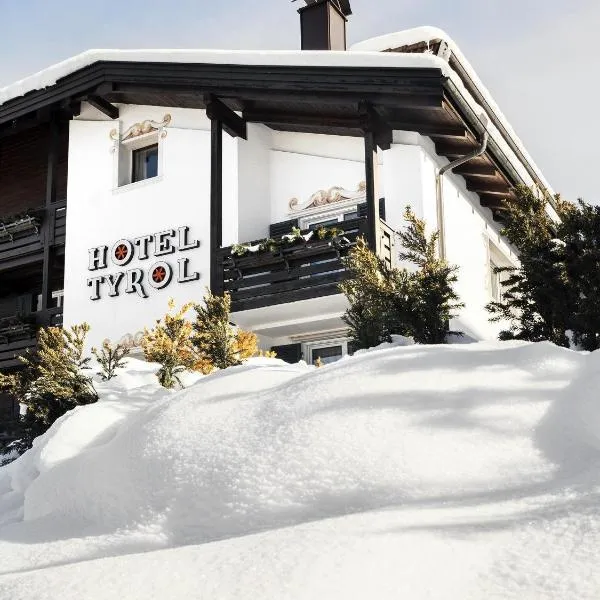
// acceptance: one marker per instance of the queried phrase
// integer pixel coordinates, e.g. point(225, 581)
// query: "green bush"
point(52, 380)
point(412, 302)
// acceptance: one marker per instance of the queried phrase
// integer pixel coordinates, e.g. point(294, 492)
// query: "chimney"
point(323, 24)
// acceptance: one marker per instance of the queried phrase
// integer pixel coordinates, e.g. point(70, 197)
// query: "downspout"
point(439, 188)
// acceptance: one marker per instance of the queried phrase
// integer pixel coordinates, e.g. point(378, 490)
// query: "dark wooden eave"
point(312, 99)
point(435, 46)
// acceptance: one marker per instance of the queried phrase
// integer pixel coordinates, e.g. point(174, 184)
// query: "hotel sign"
point(157, 276)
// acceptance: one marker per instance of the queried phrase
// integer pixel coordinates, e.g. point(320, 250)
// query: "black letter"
point(184, 276)
point(142, 244)
point(97, 258)
point(162, 245)
point(134, 283)
point(95, 283)
point(184, 244)
point(113, 283)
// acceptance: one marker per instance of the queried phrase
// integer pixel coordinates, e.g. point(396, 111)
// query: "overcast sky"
point(537, 57)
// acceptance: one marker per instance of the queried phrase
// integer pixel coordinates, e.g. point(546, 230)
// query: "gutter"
point(439, 187)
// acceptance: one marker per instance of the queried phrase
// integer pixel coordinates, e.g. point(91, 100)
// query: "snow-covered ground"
point(455, 472)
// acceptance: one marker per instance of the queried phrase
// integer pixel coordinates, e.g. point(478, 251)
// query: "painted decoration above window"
point(330, 196)
point(143, 128)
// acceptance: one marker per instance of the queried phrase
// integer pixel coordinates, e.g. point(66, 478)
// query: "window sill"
point(141, 141)
point(122, 189)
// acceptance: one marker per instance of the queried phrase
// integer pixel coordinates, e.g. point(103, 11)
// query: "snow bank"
point(411, 471)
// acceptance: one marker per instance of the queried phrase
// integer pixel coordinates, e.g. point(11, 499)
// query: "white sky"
point(537, 57)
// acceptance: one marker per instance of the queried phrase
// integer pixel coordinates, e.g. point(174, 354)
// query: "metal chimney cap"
point(342, 5)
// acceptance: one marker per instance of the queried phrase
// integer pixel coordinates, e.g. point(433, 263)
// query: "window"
point(497, 260)
point(496, 288)
point(328, 351)
point(144, 163)
point(326, 355)
point(329, 219)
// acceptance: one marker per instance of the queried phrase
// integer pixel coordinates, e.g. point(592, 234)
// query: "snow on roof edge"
point(49, 76)
point(364, 54)
point(429, 34)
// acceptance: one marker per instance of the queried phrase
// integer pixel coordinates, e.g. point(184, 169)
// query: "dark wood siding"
point(23, 168)
point(292, 353)
point(62, 164)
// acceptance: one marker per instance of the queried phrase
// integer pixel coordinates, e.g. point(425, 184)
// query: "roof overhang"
point(335, 99)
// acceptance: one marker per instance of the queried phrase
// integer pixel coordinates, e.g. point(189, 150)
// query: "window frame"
point(496, 259)
point(327, 213)
point(310, 347)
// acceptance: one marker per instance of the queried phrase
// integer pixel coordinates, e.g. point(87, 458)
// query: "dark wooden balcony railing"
point(18, 333)
point(22, 240)
point(387, 245)
point(297, 272)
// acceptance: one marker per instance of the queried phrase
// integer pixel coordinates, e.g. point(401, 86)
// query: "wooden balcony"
point(303, 270)
point(18, 333)
point(22, 240)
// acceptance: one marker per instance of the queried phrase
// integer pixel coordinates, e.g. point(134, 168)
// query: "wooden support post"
point(48, 227)
point(233, 124)
point(372, 193)
point(216, 205)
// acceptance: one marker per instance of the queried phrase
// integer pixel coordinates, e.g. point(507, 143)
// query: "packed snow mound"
point(479, 464)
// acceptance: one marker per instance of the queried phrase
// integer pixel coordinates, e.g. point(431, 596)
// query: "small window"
point(328, 219)
point(144, 163)
point(327, 223)
point(496, 282)
point(326, 352)
point(327, 355)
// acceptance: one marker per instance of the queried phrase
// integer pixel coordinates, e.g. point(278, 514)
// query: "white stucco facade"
point(261, 176)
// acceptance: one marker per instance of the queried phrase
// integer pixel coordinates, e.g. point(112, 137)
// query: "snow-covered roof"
point(365, 54)
point(429, 35)
point(51, 75)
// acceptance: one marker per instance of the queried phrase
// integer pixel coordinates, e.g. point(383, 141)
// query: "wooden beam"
point(232, 123)
point(71, 107)
point(489, 187)
point(476, 169)
point(105, 107)
point(493, 202)
point(453, 148)
point(372, 195)
point(48, 224)
point(372, 121)
point(216, 205)
point(433, 130)
point(293, 119)
point(493, 188)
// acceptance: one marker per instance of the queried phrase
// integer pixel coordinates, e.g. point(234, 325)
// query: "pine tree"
point(411, 302)
point(169, 344)
point(538, 299)
point(577, 249)
point(246, 344)
point(368, 292)
point(110, 358)
point(219, 343)
point(435, 301)
point(52, 380)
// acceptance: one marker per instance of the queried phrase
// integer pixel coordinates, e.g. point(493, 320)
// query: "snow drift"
point(463, 471)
